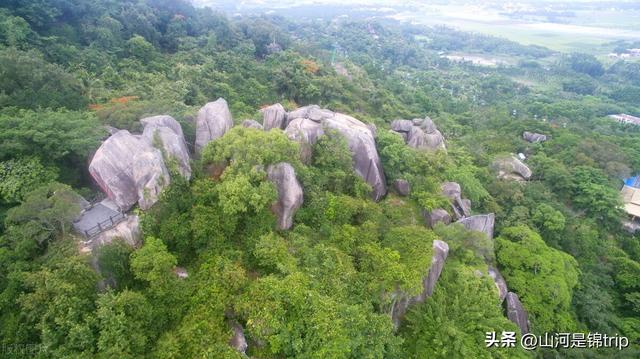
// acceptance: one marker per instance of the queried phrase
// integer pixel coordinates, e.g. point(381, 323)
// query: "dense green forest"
point(323, 289)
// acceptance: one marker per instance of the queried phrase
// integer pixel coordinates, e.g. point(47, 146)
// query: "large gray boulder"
point(402, 302)
point(306, 132)
point(127, 230)
point(511, 168)
point(308, 123)
point(163, 121)
point(274, 116)
point(533, 137)
point(238, 340)
point(165, 133)
point(516, 312)
point(290, 194)
point(212, 122)
point(402, 125)
point(402, 186)
point(150, 176)
point(482, 223)
point(499, 281)
point(312, 112)
point(252, 124)
point(461, 208)
point(436, 216)
point(420, 133)
point(129, 170)
point(440, 253)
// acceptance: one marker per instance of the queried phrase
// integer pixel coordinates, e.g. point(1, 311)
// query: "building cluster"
point(625, 55)
point(624, 118)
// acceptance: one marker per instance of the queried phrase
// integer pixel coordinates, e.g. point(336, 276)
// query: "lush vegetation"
point(325, 288)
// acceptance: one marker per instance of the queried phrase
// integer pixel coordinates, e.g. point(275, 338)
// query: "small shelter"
point(631, 196)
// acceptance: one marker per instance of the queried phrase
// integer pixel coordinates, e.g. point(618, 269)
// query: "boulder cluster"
point(484, 223)
point(460, 207)
point(213, 121)
point(308, 123)
point(419, 133)
point(132, 169)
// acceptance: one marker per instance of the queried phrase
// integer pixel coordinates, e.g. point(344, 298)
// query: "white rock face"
point(308, 123)
point(167, 131)
point(212, 122)
point(129, 170)
point(274, 116)
point(290, 194)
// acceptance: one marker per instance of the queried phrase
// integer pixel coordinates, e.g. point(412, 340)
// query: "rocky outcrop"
point(482, 223)
point(420, 133)
point(511, 168)
point(163, 121)
point(238, 340)
point(308, 123)
point(150, 177)
point(165, 133)
point(533, 137)
point(290, 195)
point(402, 126)
point(129, 170)
point(252, 124)
point(373, 128)
point(312, 112)
point(274, 116)
point(212, 122)
point(499, 281)
point(402, 186)
point(440, 253)
point(435, 216)
point(402, 302)
point(461, 207)
point(127, 230)
point(516, 312)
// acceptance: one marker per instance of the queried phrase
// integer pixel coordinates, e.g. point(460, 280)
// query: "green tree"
point(544, 278)
point(52, 208)
point(548, 220)
point(452, 322)
point(139, 48)
point(50, 135)
point(123, 322)
point(21, 176)
point(60, 302)
point(28, 81)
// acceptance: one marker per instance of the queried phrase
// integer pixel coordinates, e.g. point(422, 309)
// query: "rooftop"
point(624, 118)
point(631, 199)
